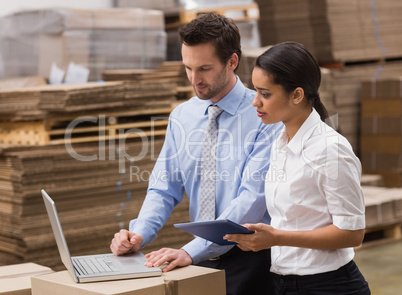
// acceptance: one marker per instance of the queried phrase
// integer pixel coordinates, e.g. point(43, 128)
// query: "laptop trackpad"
point(129, 259)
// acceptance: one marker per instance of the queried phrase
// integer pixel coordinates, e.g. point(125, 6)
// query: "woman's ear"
point(298, 95)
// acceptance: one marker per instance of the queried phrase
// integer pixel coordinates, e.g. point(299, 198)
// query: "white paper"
point(76, 74)
point(56, 74)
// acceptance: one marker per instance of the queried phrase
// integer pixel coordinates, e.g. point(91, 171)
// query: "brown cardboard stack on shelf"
point(97, 190)
point(383, 210)
point(359, 40)
point(347, 93)
point(335, 30)
point(10, 108)
point(31, 41)
point(381, 129)
point(372, 180)
point(167, 72)
point(94, 157)
point(21, 82)
point(150, 4)
point(58, 110)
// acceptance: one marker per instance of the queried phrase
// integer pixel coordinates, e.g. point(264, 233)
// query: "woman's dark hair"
point(213, 28)
point(291, 65)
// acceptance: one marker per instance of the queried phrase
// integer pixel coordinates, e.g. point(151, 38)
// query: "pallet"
point(239, 13)
point(381, 235)
point(347, 63)
point(87, 127)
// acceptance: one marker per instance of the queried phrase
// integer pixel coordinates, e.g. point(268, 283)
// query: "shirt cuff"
point(140, 229)
point(200, 250)
point(350, 222)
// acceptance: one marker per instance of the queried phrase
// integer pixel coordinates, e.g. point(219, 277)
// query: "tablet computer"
point(214, 230)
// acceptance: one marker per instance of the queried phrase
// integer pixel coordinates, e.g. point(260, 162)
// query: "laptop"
point(99, 267)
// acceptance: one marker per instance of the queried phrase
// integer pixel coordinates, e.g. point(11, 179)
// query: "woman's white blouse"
point(313, 182)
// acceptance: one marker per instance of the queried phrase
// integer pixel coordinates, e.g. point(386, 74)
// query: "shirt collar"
point(230, 103)
point(304, 132)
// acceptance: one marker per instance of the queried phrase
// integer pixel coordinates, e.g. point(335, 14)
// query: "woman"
point(312, 188)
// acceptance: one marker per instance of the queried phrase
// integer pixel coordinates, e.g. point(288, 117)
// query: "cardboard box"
point(16, 279)
point(382, 144)
point(62, 49)
point(182, 281)
point(383, 206)
point(195, 280)
point(392, 178)
point(375, 125)
point(372, 180)
point(131, 18)
point(373, 161)
point(381, 107)
point(61, 283)
point(383, 89)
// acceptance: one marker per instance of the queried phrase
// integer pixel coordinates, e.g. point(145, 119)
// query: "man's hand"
point(175, 257)
point(126, 242)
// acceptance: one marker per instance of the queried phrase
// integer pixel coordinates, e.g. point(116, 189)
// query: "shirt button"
point(282, 281)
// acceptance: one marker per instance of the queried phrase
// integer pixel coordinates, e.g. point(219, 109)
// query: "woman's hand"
point(262, 238)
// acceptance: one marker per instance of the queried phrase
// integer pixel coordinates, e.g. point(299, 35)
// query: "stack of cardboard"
point(31, 41)
point(359, 40)
point(381, 129)
point(335, 30)
point(16, 102)
point(347, 93)
point(93, 148)
point(383, 207)
point(168, 72)
point(139, 75)
point(74, 97)
point(89, 96)
point(189, 4)
point(340, 89)
point(39, 114)
point(372, 180)
point(150, 4)
point(97, 187)
point(169, 5)
point(21, 82)
point(19, 100)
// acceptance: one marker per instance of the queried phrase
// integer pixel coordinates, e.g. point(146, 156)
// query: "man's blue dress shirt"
point(243, 152)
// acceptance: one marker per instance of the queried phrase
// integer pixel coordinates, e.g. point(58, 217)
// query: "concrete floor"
point(381, 265)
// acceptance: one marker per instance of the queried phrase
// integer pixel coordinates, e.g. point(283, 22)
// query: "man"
point(211, 53)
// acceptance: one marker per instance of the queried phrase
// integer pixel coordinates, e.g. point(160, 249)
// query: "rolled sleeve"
point(343, 192)
point(355, 222)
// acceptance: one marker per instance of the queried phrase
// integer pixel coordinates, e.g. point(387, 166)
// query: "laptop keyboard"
point(94, 265)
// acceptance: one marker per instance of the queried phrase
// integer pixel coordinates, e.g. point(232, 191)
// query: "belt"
point(235, 250)
point(315, 277)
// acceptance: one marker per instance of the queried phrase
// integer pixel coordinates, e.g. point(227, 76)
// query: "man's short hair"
point(213, 28)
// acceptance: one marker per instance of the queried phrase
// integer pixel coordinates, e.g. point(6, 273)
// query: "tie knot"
point(214, 111)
